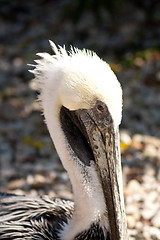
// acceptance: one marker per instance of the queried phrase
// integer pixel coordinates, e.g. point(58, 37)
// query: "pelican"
point(81, 100)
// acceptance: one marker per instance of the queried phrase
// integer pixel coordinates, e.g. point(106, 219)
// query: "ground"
point(126, 36)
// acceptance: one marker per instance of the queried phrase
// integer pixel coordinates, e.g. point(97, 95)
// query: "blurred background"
point(124, 33)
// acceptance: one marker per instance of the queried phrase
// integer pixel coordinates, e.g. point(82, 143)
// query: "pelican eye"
point(100, 107)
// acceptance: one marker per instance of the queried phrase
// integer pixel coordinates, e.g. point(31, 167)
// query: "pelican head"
point(82, 104)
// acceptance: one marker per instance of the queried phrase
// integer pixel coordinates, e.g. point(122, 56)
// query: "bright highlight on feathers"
point(79, 77)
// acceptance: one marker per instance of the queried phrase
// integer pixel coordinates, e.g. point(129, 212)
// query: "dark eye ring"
point(100, 107)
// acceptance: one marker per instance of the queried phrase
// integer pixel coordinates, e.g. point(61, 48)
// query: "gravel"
point(28, 160)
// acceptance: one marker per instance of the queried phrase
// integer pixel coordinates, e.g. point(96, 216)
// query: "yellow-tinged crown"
point(77, 79)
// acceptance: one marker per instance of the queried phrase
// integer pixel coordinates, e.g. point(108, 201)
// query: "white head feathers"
point(77, 79)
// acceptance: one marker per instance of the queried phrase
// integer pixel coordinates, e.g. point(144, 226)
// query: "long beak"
point(105, 145)
point(108, 161)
